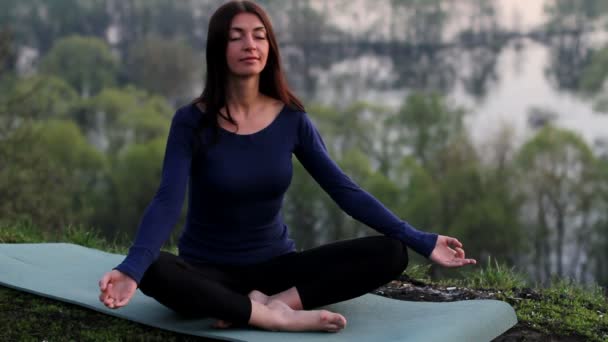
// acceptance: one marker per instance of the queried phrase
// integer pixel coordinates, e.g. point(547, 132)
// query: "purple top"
point(236, 193)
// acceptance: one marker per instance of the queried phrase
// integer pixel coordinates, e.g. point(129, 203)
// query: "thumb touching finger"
point(103, 283)
point(123, 301)
point(460, 252)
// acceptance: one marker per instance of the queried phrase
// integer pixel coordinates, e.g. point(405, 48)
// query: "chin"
point(246, 73)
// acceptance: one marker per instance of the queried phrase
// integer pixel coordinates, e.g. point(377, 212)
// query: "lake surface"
point(499, 59)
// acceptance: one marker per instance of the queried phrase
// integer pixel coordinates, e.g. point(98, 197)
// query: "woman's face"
point(247, 49)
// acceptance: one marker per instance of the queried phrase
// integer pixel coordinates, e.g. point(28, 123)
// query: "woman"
point(233, 146)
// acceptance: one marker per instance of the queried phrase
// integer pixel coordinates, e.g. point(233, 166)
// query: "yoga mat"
point(70, 273)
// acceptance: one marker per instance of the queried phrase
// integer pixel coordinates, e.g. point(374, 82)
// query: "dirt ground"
point(409, 289)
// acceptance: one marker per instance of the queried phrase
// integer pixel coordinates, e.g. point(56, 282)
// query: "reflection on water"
point(523, 86)
point(500, 59)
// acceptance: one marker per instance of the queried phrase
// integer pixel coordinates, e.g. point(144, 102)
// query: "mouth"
point(249, 59)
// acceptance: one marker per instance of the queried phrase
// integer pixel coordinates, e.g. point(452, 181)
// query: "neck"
point(243, 94)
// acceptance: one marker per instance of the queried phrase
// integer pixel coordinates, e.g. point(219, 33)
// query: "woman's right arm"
point(163, 211)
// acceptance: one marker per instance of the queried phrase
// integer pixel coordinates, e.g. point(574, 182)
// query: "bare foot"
point(303, 320)
point(258, 296)
point(254, 295)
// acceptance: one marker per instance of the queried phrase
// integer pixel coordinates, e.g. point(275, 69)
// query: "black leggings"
point(323, 275)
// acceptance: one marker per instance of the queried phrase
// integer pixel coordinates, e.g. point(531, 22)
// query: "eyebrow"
point(259, 28)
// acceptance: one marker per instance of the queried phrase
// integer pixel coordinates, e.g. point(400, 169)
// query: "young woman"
point(233, 147)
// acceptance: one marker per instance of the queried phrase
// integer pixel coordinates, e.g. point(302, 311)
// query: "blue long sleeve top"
point(236, 193)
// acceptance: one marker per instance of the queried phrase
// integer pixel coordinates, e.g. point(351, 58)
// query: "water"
point(499, 85)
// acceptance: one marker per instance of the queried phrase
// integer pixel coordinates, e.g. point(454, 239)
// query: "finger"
point(108, 301)
point(454, 242)
point(463, 262)
point(461, 253)
point(123, 302)
point(332, 327)
point(103, 282)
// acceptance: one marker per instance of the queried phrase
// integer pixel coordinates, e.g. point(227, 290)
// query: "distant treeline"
point(82, 139)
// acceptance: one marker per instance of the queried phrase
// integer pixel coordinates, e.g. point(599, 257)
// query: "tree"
point(599, 236)
point(446, 187)
point(50, 174)
point(571, 21)
point(166, 67)
point(426, 124)
point(86, 63)
point(43, 97)
point(303, 209)
point(593, 79)
point(134, 178)
point(38, 23)
point(557, 180)
point(117, 117)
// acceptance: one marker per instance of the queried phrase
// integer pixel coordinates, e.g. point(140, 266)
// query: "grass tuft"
point(494, 276)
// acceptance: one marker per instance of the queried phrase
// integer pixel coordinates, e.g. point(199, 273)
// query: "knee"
point(152, 278)
point(395, 256)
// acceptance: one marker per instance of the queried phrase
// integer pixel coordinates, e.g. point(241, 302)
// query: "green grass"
point(492, 275)
point(565, 308)
point(26, 317)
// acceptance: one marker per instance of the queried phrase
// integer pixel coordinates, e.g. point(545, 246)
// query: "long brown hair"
point(272, 79)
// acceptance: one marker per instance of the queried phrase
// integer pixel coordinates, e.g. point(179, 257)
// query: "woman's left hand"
point(445, 255)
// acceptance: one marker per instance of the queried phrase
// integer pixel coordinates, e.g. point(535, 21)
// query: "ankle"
point(280, 313)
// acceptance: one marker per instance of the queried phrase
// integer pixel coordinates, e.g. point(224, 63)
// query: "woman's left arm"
point(356, 202)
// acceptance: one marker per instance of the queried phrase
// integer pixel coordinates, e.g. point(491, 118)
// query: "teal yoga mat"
point(70, 273)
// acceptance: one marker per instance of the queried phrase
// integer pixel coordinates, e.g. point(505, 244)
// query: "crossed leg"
point(190, 291)
point(327, 274)
point(289, 297)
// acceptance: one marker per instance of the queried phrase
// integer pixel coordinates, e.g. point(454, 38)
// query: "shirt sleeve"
point(163, 211)
point(359, 204)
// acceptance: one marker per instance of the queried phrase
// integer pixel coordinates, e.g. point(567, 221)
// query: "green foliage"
point(302, 208)
point(39, 23)
point(27, 317)
point(86, 63)
point(494, 276)
point(20, 231)
point(67, 146)
point(166, 67)
point(421, 272)
point(594, 75)
point(427, 124)
point(351, 128)
point(573, 14)
point(593, 79)
point(47, 159)
point(599, 244)
point(83, 236)
point(39, 97)
point(348, 133)
point(419, 201)
point(567, 308)
point(558, 172)
point(128, 115)
point(134, 178)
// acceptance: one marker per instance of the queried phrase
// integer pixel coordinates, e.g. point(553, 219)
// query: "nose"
point(249, 43)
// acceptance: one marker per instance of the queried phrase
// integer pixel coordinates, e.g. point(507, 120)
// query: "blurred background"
point(484, 120)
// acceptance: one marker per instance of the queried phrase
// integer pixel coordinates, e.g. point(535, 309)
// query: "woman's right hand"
point(116, 289)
